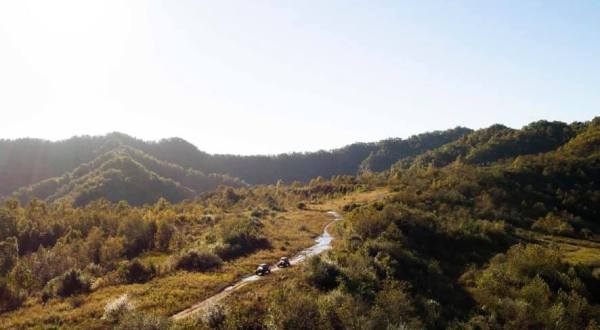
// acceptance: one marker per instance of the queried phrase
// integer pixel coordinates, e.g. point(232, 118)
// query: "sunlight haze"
point(266, 77)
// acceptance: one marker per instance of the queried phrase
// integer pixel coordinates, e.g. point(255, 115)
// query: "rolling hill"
point(497, 229)
point(117, 166)
point(125, 173)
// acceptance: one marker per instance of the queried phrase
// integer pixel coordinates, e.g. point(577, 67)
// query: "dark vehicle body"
point(283, 262)
point(263, 269)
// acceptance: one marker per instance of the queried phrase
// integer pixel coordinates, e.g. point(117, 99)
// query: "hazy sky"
point(271, 76)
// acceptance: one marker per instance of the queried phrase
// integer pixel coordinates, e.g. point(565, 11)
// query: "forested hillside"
point(63, 170)
point(345, 161)
point(496, 230)
point(125, 174)
point(498, 142)
point(513, 244)
point(28, 161)
point(178, 170)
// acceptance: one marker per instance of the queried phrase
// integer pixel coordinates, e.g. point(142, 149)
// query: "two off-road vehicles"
point(264, 269)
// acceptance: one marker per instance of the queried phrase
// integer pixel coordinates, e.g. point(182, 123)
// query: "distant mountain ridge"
point(49, 170)
point(125, 173)
point(497, 142)
point(119, 167)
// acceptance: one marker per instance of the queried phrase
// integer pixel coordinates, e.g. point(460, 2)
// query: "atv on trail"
point(283, 262)
point(263, 269)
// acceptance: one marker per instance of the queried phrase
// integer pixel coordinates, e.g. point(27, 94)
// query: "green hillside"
point(498, 229)
point(125, 174)
point(499, 142)
point(28, 161)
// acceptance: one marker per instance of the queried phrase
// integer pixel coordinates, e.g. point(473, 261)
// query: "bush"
point(350, 206)
point(76, 302)
point(116, 309)
point(247, 316)
point(9, 252)
point(135, 272)
point(240, 236)
point(71, 282)
point(531, 287)
point(288, 310)
point(10, 298)
point(198, 261)
point(214, 317)
point(321, 274)
point(143, 321)
point(553, 224)
point(258, 213)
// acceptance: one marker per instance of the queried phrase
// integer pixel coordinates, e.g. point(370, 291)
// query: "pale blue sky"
point(273, 76)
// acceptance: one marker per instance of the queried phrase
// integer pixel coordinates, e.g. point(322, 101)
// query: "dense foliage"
point(124, 174)
point(57, 250)
point(497, 229)
point(119, 167)
point(461, 244)
point(498, 142)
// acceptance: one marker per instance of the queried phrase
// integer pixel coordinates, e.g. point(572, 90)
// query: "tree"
point(164, 232)
point(9, 253)
point(198, 261)
point(8, 224)
point(321, 274)
point(94, 243)
point(135, 272)
point(111, 251)
point(293, 311)
point(21, 276)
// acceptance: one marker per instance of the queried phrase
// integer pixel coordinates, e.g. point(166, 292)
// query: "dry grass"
point(574, 250)
point(175, 291)
point(289, 233)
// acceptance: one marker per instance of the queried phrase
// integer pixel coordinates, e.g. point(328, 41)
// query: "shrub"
point(258, 213)
point(10, 297)
point(163, 235)
point(350, 206)
point(116, 309)
point(321, 274)
point(288, 310)
point(135, 272)
point(198, 261)
point(143, 321)
point(247, 316)
point(94, 269)
point(76, 302)
point(553, 224)
point(9, 252)
point(214, 317)
point(71, 282)
point(240, 236)
point(531, 287)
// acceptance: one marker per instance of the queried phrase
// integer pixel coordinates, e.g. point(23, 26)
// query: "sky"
point(265, 77)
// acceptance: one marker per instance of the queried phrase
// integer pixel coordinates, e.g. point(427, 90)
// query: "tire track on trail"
point(322, 243)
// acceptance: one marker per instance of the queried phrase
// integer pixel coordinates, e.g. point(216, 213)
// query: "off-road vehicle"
point(263, 269)
point(283, 262)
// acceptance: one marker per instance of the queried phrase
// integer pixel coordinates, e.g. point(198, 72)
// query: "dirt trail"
point(323, 243)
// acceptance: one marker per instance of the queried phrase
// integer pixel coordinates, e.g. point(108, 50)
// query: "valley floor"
point(288, 233)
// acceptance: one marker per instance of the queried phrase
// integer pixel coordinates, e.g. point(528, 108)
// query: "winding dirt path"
point(322, 243)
